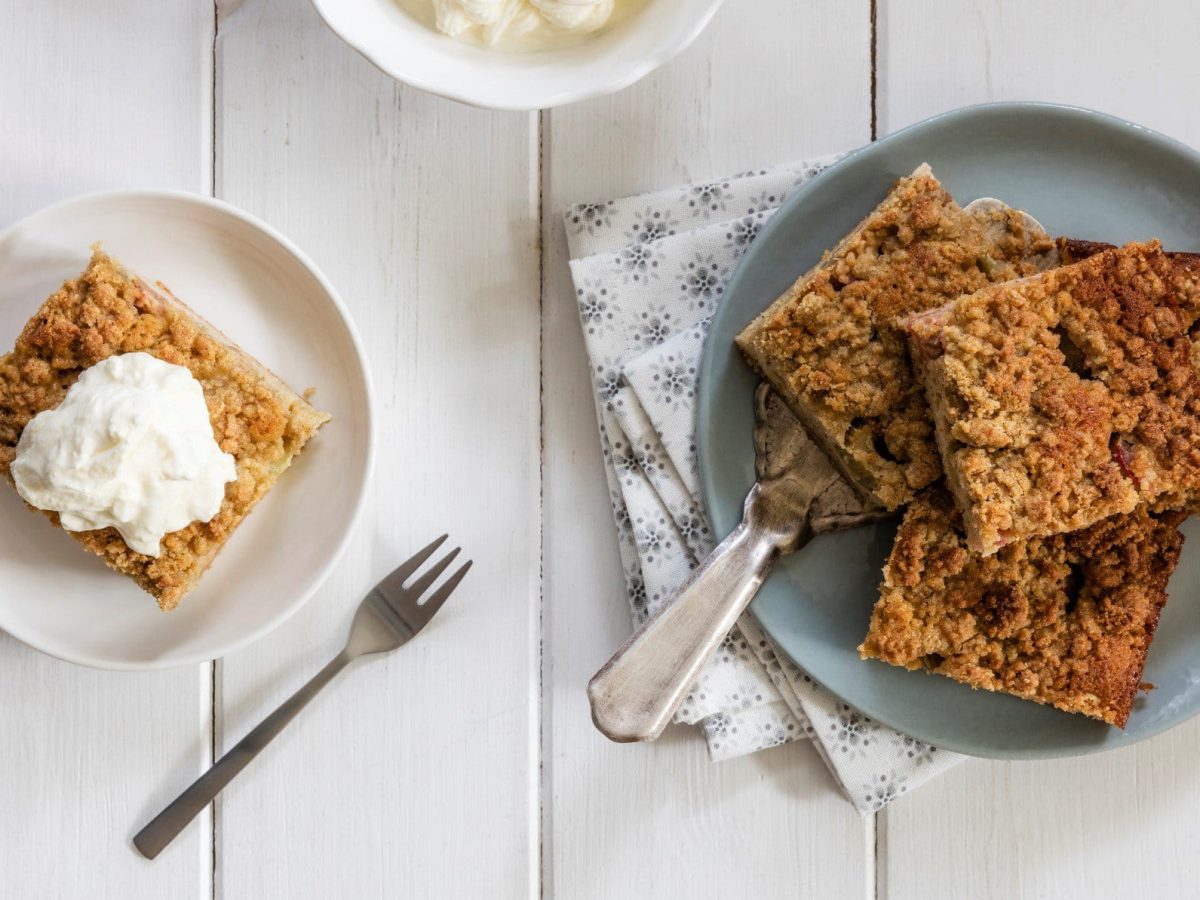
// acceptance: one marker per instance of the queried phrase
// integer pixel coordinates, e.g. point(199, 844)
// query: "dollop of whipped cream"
point(506, 20)
point(131, 447)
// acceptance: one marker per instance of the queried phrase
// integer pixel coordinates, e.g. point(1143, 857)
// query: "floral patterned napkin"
point(649, 271)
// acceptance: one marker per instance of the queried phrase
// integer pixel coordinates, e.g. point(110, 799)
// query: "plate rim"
point(705, 410)
point(289, 247)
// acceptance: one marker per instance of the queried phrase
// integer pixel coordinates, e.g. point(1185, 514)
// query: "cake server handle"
point(634, 696)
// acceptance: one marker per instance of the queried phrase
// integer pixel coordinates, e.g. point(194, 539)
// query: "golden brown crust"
point(1062, 399)
point(255, 417)
point(830, 347)
point(1073, 250)
point(1065, 620)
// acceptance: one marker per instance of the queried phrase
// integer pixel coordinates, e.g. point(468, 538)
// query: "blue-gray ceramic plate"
point(1081, 174)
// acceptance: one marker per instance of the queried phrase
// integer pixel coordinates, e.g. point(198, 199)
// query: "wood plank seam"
point(216, 729)
point(874, 68)
point(877, 884)
point(540, 119)
point(879, 876)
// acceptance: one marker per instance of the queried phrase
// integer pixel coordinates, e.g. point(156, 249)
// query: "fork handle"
point(164, 827)
point(634, 696)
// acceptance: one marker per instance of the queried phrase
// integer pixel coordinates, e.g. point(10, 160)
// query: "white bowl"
point(268, 297)
point(614, 59)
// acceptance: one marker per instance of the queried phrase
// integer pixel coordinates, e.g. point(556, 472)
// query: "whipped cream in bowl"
point(518, 54)
point(523, 25)
point(130, 447)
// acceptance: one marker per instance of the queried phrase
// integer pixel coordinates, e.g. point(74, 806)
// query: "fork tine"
point(442, 594)
point(405, 571)
point(422, 584)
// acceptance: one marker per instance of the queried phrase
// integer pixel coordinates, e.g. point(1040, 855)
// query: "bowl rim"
point(363, 371)
point(647, 64)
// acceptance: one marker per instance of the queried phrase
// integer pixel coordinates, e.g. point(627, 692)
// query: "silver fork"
point(387, 619)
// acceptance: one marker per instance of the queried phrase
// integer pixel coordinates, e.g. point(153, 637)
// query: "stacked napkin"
point(649, 271)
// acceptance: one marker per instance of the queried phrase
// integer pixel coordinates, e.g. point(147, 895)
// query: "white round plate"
point(269, 298)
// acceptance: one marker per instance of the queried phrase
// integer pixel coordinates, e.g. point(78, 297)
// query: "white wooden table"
point(467, 765)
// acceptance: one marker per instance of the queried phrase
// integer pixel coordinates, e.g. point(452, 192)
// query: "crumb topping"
point(254, 416)
point(831, 347)
point(1064, 620)
point(1068, 397)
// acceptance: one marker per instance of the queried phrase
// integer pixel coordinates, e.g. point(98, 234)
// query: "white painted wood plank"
point(772, 81)
point(1138, 63)
point(1120, 824)
point(413, 776)
point(96, 96)
point(99, 96)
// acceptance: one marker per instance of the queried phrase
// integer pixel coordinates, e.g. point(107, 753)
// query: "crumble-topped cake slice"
point(255, 417)
point(830, 347)
point(1064, 398)
point(1064, 620)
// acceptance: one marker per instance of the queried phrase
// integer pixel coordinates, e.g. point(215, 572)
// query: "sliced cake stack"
point(1053, 385)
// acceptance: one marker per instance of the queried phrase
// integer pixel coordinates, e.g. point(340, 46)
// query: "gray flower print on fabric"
point(742, 233)
point(637, 595)
point(654, 600)
point(883, 790)
point(597, 311)
point(805, 728)
point(759, 203)
point(674, 380)
point(706, 198)
point(624, 461)
point(851, 732)
point(653, 539)
point(648, 459)
point(718, 727)
point(692, 525)
point(590, 217)
point(637, 263)
point(651, 225)
point(732, 647)
point(742, 647)
point(608, 382)
point(918, 752)
point(804, 175)
point(653, 327)
point(621, 513)
point(738, 732)
point(702, 280)
point(774, 734)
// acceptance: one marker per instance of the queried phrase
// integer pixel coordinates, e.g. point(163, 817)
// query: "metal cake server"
point(798, 494)
point(388, 618)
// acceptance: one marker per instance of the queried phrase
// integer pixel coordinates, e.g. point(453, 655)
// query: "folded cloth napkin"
point(648, 272)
